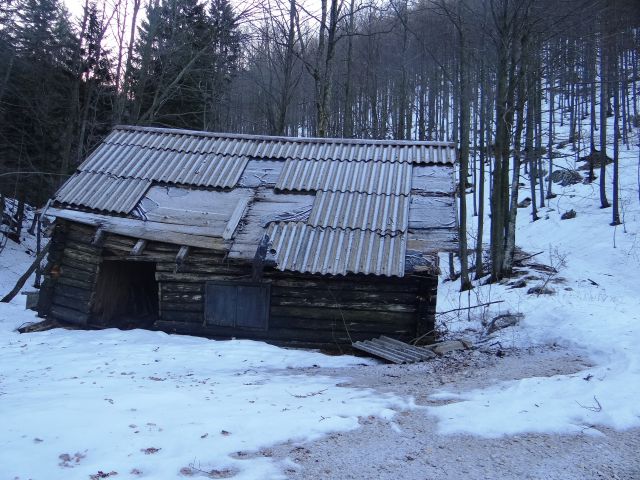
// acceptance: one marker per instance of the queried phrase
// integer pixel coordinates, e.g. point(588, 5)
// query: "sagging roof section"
point(359, 195)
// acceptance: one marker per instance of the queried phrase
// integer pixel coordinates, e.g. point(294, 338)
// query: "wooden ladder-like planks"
point(394, 350)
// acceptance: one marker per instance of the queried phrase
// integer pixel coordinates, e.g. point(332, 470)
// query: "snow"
point(76, 403)
point(594, 312)
point(104, 398)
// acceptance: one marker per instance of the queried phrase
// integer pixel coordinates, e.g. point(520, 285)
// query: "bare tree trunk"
point(616, 133)
point(484, 112)
point(463, 111)
point(604, 105)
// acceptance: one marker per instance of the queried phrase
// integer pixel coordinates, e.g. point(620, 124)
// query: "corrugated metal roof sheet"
point(303, 248)
point(365, 177)
point(379, 213)
point(102, 192)
point(265, 147)
point(167, 166)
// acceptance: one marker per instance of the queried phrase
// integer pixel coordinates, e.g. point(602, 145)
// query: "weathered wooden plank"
point(211, 268)
point(80, 294)
point(67, 263)
point(161, 232)
point(177, 297)
point(201, 208)
point(65, 314)
point(175, 287)
point(82, 257)
point(342, 304)
point(180, 316)
point(139, 247)
point(72, 303)
point(183, 306)
point(81, 247)
point(73, 282)
point(373, 295)
point(170, 276)
point(328, 323)
point(347, 315)
point(350, 282)
point(235, 218)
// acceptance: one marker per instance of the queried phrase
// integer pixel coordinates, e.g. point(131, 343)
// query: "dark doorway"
point(126, 295)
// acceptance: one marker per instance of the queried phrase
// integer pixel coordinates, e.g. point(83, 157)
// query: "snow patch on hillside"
point(594, 312)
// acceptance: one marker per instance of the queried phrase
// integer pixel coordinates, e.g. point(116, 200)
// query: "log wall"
point(305, 310)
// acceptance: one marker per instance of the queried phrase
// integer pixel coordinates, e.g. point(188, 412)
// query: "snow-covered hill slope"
point(594, 310)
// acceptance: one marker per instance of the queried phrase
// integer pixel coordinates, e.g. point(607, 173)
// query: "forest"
point(494, 76)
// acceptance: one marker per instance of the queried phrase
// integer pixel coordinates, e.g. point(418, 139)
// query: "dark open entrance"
point(126, 295)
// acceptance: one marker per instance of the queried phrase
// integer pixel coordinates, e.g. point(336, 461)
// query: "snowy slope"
point(594, 311)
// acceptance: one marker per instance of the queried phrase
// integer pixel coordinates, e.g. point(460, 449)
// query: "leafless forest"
point(498, 77)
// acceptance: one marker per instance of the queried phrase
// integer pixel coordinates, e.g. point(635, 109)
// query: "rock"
point(449, 346)
point(518, 284)
point(595, 158)
point(541, 290)
point(524, 203)
point(567, 215)
point(504, 321)
point(566, 177)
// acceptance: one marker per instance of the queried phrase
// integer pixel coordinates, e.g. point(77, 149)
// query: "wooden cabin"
point(296, 241)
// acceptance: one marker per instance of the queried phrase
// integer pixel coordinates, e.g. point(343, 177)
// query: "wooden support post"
point(36, 283)
point(99, 238)
point(181, 257)
point(138, 248)
point(259, 259)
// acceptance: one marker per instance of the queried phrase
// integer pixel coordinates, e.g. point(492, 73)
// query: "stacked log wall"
point(305, 310)
point(71, 273)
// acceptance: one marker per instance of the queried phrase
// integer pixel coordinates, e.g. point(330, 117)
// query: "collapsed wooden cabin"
point(298, 241)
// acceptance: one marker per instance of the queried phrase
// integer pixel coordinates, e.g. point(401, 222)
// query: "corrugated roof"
point(168, 166)
point(379, 213)
point(102, 192)
point(265, 147)
point(365, 177)
point(303, 248)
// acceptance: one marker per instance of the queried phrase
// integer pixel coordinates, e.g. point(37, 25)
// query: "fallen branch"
point(518, 260)
point(469, 308)
point(23, 279)
point(597, 408)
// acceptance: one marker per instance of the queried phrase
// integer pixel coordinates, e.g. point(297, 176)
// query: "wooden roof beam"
point(139, 247)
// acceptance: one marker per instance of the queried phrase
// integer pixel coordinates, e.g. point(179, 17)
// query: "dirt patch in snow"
point(410, 446)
